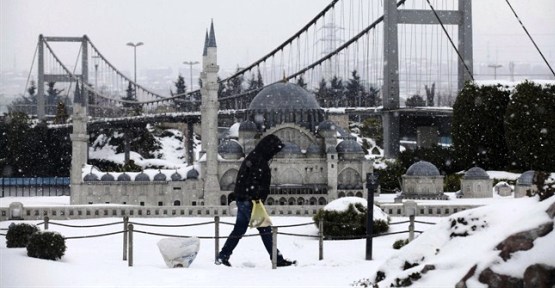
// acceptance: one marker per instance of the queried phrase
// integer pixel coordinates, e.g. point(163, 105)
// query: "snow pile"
point(342, 204)
point(457, 243)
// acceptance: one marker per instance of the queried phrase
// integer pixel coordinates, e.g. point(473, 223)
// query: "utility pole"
point(495, 67)
point(191, 63)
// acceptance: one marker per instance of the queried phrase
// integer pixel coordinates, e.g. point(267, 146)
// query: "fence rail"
point(128, 232)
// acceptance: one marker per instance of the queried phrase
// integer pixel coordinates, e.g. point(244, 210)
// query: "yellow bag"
point(259, 216)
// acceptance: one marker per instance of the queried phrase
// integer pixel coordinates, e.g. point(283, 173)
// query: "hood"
point(268, 147)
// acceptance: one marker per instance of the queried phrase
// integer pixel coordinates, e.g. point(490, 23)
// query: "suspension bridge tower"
point(393, 17)
point(44, 77)
point(209, 118)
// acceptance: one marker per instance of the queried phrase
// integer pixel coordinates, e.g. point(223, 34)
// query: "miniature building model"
point(423, 181)
point(503, 189)
point(476, 183)
point(525, 183)
point(319, 163)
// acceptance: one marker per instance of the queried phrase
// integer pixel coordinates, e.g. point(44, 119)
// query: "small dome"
point(124, 177)
point(90, 177)
point(230, 147)
point(422, 168)
point(349, 146)
point(142, 177)
point(476, 173)
point(327, 125)
point(160, 177)
point(176, 177)
point(314, 149)
point(526, 178)
point(107, 177)
point(290, 149)
point(247, 126)
point(282, 96)
point(192, 174)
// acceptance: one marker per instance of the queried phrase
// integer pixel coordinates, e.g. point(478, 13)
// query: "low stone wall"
point(17, 211)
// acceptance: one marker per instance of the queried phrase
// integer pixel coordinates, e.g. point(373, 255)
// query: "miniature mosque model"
point(319, 163)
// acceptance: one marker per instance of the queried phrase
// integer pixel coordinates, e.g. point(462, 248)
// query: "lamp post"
point(495, 67)
point(96, 59)
point(372, 184)
point(135, 45)
point(191, 63)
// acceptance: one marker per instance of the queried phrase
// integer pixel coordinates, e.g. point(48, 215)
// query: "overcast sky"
point(173, 30)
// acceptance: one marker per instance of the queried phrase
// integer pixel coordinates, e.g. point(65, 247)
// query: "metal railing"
point(129, 232)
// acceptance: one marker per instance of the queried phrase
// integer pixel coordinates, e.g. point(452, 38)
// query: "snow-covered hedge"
point(345, 218)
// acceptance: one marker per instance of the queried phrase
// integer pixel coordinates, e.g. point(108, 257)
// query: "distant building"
point(476, 183)
point(423, 181)
point(525, 183)
point(319, 163)
point(503, 189)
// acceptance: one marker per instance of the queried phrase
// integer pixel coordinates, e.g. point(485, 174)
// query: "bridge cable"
point(284, 44)
point(30, 71)
point(531, 39)
point(451, 40)
point(343, 46)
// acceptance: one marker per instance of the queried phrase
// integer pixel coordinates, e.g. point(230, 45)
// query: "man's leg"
point(266, 235)
point(244, 209)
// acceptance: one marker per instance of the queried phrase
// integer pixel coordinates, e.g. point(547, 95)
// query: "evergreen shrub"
point(400, 243)
point(348, 224)
point(46, 245)
point(18, 234)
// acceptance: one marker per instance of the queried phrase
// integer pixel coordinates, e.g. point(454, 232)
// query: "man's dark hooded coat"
point(254, 177)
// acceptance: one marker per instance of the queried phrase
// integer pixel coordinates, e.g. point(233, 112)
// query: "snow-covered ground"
point(97, 262)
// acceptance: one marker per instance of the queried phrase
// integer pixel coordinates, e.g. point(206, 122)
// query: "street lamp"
point(495, 67)
point(135, 45)
point(191, 63)
point(96, 59)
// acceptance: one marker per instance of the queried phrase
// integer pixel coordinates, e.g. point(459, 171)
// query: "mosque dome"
point(349, 146)
point(284, 103)
point(280, 96)
point(176, 177)
point(475, 173)
point(247, 126)
point(142, 177)
point(124, 177)
point(107, 177)
point(327, 125)
point(90, 177)
point(314, 149)
point(290, 150)
point(192, 174)
point(422, 168)
point(230, 147)
point(160, 177)
point(526, 178)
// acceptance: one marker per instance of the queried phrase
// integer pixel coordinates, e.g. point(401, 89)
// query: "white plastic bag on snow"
point(179, 252)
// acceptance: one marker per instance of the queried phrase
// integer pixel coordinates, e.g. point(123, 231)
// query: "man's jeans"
point(244, 209)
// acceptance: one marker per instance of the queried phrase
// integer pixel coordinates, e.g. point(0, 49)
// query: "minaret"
point(79, 144)
point(209, 119)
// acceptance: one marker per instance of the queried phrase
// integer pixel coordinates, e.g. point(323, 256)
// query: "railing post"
point(321, 235)
point(274, 247)
point(46, 219)
point(411, 228)
point(130, 249)
point(216, 237)
point(125, 223)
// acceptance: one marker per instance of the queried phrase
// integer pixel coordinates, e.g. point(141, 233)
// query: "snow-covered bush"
point(46, 245)
point(345, 218)
point(400, 243)
point(18, 234)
